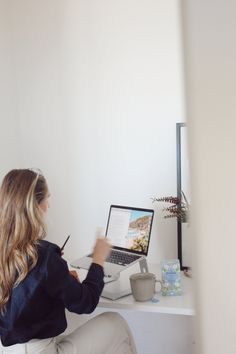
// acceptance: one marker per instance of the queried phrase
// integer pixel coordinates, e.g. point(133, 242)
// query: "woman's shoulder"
point(46, 248)
point(50, 260)
point(48, 253)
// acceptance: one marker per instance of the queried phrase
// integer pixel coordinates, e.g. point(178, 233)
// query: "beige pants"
point(107, 333)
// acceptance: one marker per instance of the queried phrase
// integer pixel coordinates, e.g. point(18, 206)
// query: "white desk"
point(167, 324)
point(175, 305)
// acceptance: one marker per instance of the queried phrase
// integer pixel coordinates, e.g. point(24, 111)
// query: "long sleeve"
point(36, 308)
point(76, 297)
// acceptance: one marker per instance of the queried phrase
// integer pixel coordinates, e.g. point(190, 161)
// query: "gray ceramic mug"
point(143, 286)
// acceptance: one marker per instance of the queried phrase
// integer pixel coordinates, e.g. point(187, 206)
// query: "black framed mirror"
point(183, 195)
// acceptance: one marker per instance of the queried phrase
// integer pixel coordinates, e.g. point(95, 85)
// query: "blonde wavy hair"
point(21, 227)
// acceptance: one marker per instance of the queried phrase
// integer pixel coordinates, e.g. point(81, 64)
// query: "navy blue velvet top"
point(37, 305)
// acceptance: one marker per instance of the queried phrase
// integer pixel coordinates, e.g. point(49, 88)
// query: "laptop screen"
point(129, 228)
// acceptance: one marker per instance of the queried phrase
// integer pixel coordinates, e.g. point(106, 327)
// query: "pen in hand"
point(62, 248)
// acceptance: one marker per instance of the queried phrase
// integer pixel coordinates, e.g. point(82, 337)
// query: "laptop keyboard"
point(121, 258)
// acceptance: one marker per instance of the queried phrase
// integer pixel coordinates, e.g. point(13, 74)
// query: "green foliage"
point(179, 208)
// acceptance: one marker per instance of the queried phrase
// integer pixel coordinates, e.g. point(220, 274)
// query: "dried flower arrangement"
point(179, 208)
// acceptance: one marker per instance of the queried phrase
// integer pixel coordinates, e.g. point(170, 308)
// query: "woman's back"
point(37, 305)
point(36, 285)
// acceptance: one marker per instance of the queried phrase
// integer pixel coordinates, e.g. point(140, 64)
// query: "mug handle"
point(158, 281)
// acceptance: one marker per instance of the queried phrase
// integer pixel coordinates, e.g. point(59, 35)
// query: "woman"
point(36, 286)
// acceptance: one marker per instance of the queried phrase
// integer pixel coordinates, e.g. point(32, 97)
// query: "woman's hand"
point(101, 251)
point(75, 275)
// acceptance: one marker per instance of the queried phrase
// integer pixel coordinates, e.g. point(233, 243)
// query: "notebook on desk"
point(128, 230)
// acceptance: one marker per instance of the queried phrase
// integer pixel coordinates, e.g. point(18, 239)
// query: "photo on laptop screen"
point(129, 228)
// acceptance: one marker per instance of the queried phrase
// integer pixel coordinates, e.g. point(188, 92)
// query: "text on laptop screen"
point(130, 229)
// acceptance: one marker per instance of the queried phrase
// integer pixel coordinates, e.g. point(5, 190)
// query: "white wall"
point(100, 91)
point(9, 144)
point(210, 49)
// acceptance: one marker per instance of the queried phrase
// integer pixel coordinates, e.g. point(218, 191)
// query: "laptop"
point(128, 230)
